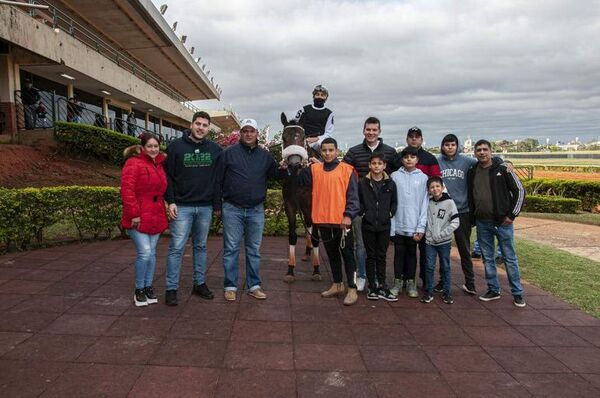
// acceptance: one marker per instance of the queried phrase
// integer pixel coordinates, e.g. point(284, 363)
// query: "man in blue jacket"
point(190, 167)
point(241, 182)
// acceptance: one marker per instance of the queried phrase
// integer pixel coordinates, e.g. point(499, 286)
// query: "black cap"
point(414, 130)
point(409, 150)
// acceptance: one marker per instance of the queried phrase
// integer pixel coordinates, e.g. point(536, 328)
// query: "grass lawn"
point(582, 218)
point(574, 279)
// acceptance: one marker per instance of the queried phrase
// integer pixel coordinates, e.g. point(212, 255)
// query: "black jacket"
point(377, 209)
point(358, 157)
point(190, 171)
point(507, 191)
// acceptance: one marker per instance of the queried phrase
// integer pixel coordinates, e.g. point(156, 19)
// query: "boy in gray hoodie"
point(442, 221)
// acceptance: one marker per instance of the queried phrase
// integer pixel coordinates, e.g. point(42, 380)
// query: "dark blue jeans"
point(431, 253)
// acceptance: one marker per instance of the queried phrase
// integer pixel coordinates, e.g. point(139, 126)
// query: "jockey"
point(316, 119)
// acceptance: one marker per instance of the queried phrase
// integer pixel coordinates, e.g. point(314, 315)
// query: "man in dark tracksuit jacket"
point(190, 168)
point(358, 157)
point(241, 183)
point(495, 199)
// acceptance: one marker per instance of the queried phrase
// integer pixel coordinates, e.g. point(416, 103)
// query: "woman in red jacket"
point(143, 184)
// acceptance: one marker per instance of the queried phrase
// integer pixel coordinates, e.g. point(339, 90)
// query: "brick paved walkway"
point(68, 328)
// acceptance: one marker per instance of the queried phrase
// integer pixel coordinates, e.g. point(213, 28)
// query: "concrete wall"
point(60, 48)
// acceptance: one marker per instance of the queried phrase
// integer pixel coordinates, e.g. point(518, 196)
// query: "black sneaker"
point(150, 295)
point(140, 298)
point(439, 288)
point(372, 295)
point(171, 297)
point(427, 298)
point(519, 301)
point(447, 298)
point(469, 288)
point(476, 255)
point(387, 295)
point(203, 291)
point(489, 296)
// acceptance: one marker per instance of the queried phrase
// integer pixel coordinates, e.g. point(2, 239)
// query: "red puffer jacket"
point(143, 184)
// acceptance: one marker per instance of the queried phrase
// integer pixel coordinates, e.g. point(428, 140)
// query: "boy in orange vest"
point(334, 204)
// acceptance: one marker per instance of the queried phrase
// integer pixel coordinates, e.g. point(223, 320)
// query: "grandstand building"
point(111, 63)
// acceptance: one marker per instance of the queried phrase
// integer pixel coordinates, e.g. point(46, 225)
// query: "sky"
point(484, 69)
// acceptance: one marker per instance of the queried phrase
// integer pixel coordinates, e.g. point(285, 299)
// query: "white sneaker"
point(360, 284)
point(397, 288)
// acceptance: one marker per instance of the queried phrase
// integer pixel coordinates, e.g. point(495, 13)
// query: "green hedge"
point(588, 192)
point(26, 213)
point(91, 141)
point(550, 204)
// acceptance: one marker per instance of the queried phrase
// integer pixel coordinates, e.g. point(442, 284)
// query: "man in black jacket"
point(495, 199)
point(30, 96)
point(316, 119)
point(241, 190)
point(358, 157)
point(190, 167)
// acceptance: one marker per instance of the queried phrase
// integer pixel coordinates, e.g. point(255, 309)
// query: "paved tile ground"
point(68, 328)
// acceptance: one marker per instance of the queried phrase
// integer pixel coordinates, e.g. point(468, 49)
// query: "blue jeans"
point(249, 224)
point(477, 249)
point(197, 220)
point(486, 232)
point(360, 253)
point(431, 252)
point(145, 260)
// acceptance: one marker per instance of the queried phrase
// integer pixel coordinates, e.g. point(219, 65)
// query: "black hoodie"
point(377, 206)
point(190, 170)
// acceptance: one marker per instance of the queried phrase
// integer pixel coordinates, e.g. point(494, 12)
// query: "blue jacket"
point(411, 215)
point(242, 174)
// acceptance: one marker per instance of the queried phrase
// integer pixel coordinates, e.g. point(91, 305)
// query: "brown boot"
point(336, 289)
point(351, 296)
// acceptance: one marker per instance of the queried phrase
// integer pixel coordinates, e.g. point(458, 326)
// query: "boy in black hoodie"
point(378, 203)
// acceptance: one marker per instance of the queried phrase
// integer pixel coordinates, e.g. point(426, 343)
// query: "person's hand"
point(217, 212)
point(314, 160)
point(417, 237)
point(283, 165)
point(172, 211)
point(507, 221)
point(346, 222)
point(510, 167)
point(312, 140)
point(135, 222)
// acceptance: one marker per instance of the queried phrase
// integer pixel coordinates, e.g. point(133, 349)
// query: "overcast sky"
point(494, 69)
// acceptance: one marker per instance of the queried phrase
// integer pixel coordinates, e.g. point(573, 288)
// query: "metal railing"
point(57, 19)
point(524, 172)
point(42, 110)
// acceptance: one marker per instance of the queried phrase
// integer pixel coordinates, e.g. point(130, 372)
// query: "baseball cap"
point(249, 123)
point(414, 130)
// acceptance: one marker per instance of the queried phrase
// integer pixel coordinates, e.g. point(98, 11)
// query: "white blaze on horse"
point(297, 198)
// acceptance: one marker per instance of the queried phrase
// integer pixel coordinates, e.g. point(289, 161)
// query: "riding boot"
point(289, 277)
point(336, 289)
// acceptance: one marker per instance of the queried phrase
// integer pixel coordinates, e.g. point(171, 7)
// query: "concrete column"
point(160, 125)
point(8, 85)
point(70, 91)
point(105, 111)
point(146, 120)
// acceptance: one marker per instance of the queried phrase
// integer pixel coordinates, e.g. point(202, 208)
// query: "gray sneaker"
point(411, 288)
point(397, 289)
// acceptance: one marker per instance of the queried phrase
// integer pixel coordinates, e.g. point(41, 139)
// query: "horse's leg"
point(290, 212)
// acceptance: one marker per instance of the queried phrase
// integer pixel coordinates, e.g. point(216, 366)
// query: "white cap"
point(250, 123)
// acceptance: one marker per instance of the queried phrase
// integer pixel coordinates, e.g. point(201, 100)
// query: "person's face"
point(376, 166)
point(371, 133)
point(320, 95)
point(450, 148)
point(152, 148)
point(410, 161)
point(483, 153)
point(436, 189)
point(328, 152)
point(199, 128)
point(414, 140)
point(249, 136)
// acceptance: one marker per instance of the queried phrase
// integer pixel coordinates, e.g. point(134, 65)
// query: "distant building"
point(122, 62)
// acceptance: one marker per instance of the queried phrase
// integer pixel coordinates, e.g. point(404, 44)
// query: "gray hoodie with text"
point(442, 220)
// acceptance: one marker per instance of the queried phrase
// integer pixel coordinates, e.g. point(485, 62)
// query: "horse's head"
point(294, 151)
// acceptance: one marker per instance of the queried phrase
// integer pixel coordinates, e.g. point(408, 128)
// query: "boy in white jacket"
point(442, 221)
point(408, 224)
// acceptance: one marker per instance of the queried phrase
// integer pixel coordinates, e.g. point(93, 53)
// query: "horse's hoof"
point(305, 258)
point(289, 278)
point(316, 277)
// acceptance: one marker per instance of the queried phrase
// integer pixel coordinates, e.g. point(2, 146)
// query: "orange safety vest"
point(329, 193)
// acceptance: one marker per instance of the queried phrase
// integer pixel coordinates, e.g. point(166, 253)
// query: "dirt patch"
point(566, 175)
point(24, 166)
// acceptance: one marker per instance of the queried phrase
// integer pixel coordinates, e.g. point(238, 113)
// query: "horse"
point(297, 199)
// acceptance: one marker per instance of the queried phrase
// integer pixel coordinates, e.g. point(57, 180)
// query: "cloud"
point(495, 69)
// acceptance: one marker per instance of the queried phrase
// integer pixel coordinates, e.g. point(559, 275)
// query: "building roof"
point(139, 30)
